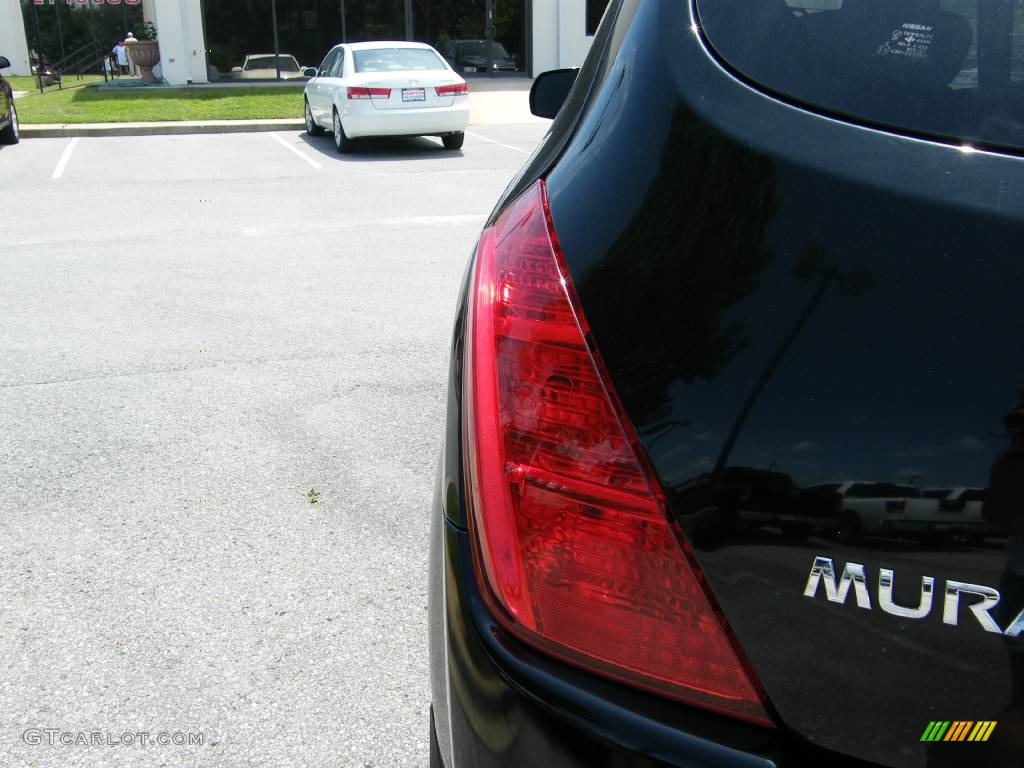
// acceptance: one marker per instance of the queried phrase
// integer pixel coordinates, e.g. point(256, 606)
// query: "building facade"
point(211, 40)
point(13, 41)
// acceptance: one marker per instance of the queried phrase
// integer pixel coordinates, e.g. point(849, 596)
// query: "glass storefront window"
point(240, 33)
point(65, 29)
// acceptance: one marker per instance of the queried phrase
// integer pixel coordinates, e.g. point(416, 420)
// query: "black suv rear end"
point(779, 241)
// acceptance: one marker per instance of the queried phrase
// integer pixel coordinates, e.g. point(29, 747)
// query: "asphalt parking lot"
point(200, 337)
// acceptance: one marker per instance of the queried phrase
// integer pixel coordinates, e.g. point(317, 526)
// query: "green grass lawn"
point(96, 105)
point(26, 83)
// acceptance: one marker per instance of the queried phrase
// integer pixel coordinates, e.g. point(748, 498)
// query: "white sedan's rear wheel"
point(453, 140)
point(341, 141)
point(311, 127)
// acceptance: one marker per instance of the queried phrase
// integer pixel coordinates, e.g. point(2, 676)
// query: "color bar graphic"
point(935, 731)
point(982, 730)
point(958, 730)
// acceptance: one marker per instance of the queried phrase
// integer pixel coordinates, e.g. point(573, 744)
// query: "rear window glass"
point(396, 60)
point(949, 68)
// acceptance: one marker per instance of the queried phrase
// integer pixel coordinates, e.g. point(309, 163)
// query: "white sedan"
point(387, 88)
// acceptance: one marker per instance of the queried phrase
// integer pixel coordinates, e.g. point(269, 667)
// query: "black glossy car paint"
point(770, 288)
point(6, 111)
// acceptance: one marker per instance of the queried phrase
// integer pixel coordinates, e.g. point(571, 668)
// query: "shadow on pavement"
point(382, 149)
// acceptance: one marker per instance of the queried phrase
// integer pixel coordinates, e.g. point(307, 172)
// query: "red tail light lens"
point(574, 548)
point(369, 93)
point(461, 89)
point(894, 507)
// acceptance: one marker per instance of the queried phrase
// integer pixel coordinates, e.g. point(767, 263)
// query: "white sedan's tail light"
point(369, 93)
point(459, 89)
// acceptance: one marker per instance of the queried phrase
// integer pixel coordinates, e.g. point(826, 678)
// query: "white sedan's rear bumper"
point(363, 119)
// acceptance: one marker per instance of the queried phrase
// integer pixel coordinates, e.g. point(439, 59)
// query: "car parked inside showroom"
point(386, 88)
point(740, 245)
point(8, 113)
point(263, 66)
point(471, 56)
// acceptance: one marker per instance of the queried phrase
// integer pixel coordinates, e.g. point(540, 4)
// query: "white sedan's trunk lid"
point(409, 90)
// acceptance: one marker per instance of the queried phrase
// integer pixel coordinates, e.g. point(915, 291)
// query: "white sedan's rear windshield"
point(396, 60)
point(950, 68)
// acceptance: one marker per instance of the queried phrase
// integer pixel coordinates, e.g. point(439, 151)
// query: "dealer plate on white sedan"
point(414, 94)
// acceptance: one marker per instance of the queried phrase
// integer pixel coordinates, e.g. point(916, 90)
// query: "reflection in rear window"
point(952, 68)
point(396, 60)
point(498, 51)
point(823, 488)
point(883, 491)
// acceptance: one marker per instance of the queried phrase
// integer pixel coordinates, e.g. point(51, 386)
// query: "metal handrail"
point(85, 56)
point(74, 53)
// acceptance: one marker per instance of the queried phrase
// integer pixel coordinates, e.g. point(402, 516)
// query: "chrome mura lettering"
point(823, 570)
point(978, 599)
point(886, 603)
point(1016, 626)
point(989, 598)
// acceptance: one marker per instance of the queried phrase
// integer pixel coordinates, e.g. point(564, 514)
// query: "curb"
point(55, 131)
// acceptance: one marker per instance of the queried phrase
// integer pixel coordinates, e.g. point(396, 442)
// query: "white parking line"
point(500, 144)
point(63, 162)
point(296, 150)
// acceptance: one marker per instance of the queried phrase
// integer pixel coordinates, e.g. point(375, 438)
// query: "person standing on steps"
point(122, 57)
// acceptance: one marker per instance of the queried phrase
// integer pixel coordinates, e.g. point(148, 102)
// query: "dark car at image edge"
point(9, 130)
point(763, 247)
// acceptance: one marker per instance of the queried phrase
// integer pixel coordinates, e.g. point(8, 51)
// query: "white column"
point(196, 41)
point(13, 44)
point(574, 44)
point(545, 36)
point(179, 27)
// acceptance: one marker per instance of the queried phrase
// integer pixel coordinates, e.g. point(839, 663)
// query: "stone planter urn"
point(146, 55)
